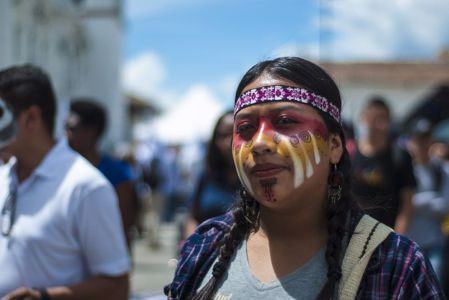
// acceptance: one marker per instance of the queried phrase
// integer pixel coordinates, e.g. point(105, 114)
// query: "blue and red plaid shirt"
point(398, 269)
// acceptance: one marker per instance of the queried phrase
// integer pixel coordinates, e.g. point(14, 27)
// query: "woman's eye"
point(286, 120)
point(244, 128)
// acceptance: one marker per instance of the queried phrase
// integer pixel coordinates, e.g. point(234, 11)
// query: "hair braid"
point(336, 228)
point(231, 241)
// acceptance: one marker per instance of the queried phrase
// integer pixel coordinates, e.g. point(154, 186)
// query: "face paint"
point(290, 133)
point(268, 188)
point(305, 151)
point(243, 148)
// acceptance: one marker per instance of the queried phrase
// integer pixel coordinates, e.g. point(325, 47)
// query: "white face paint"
point(296, 147)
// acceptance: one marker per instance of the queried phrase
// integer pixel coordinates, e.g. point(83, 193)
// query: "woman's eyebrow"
point(277, 110)
point(243, 116)
point(288, 107)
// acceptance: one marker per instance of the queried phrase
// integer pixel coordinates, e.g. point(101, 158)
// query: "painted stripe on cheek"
point(315, 149)
point(241, 171)
point(297, 165)
point(309, 167)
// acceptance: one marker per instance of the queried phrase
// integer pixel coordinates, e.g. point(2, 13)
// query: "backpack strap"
point(368, 234)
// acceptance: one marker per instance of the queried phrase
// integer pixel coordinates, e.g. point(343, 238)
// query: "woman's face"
point(281, 149)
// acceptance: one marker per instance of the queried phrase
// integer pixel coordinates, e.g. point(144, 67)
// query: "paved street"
point(151, 271)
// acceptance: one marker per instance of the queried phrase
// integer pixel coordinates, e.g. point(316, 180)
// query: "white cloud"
point(384, 29)
point(144, 75)
point(226, 88)
point(191, 119)
point(310, 51)
point(377, 30)
point(186, 115)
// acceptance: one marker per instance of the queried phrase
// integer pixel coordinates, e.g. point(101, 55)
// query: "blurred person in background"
point(216, 188)
point(440, 149)
point(85, 126)
point(383, 180)
point(351, 143)
point(61, 234)
point(431, 200)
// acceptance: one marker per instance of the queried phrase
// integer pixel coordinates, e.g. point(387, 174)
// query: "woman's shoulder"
point(401, 252)
point(204, 239)
point(399, 268)
point(198, 253)
point(213, 226)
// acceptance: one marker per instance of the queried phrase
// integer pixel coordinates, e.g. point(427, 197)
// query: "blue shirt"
point(211, 198)
point(116, 171)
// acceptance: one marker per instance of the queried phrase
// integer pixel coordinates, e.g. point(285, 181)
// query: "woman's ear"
point(335, 148)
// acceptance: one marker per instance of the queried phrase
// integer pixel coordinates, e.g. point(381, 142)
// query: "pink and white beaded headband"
point(286, 93)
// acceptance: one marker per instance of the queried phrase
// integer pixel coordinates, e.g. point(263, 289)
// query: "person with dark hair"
point(383, 172)
point(85, 126)
point(216, 188)
point(296, 232)
point(60, 223)
point(431, 200)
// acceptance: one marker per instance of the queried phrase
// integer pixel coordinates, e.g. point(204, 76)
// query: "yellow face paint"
point(303, 144)
point(304, 151)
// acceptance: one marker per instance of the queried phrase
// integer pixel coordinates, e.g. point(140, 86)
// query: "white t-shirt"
point(67, 226)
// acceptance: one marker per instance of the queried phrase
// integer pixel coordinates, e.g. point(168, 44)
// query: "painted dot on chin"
point(267, 185)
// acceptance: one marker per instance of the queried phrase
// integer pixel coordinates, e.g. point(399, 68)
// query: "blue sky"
point(176, 51)
point(206, 40)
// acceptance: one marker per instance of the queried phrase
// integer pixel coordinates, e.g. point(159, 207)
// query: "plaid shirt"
point(396, 270)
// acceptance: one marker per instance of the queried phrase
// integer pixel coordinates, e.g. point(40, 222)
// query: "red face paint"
point(289, 130)
point(288, 122)
point(267, 185)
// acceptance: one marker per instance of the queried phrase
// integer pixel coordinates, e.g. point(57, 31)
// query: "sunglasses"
point(8, 213)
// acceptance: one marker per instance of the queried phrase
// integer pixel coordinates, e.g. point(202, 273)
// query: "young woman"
point(216, 188)
point(295, 234)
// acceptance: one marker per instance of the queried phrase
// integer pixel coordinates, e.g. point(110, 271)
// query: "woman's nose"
point(263, 142)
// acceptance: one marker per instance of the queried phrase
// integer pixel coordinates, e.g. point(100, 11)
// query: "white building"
point(403, 84)
point(78, 42)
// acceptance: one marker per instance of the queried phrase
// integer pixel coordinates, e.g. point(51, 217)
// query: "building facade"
point(403, 84)
point(78, 42)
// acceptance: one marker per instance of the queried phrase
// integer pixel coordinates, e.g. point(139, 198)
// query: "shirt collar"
point(49, 165)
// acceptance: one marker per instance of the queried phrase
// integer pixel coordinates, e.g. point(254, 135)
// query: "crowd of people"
point(287, 201)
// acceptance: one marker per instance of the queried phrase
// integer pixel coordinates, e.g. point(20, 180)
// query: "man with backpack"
point(382, 172)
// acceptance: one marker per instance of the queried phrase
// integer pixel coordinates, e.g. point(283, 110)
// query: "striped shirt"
point(398, 269)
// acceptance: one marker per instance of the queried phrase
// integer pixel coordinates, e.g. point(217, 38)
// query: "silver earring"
point(335, 186)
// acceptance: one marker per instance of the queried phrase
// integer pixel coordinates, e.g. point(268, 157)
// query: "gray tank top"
point(239, 283)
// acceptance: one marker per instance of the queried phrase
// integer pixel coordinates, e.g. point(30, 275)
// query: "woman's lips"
point(266, 170)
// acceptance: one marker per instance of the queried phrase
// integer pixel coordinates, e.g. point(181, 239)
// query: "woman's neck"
point(283, 243)
point(300, 227)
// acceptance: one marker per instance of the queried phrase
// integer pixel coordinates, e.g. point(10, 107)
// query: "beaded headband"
point(286, 93)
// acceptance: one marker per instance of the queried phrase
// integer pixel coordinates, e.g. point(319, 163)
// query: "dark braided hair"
point(239, 231)
point(310, 76)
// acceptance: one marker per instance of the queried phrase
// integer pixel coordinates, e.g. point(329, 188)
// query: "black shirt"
point(378, 181)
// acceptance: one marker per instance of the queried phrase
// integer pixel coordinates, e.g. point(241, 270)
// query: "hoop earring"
point(335, 186)
point(250, 208)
